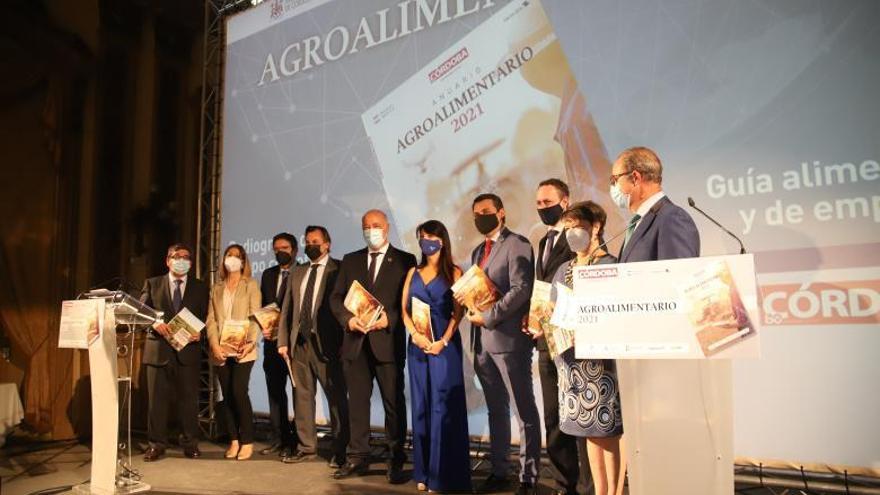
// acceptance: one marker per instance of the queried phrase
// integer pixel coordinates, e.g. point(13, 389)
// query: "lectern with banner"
point(673, 327)
point(91, 323)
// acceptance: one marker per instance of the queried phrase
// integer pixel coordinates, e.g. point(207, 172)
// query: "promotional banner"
point(764, 113)
point(695, 308)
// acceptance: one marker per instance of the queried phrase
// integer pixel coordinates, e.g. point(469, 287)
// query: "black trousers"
point(359, 375)
point(239, 415)
point(275, 370)
point(308, 371)
point(563, 450)
point(178, 384)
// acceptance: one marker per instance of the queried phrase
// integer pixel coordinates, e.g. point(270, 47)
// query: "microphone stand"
point(693, 204)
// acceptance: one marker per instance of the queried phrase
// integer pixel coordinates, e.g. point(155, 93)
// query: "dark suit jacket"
point(157, 294)
point(269, 283)
point(666, 232)
point(328, 333)
point(559, 255)
point(388, 344)
point(511, 267)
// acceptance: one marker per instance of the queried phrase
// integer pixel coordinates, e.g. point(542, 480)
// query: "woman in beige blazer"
point(234, 298)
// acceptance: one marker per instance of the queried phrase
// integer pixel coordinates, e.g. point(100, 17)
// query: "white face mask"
point(578, 239)
point(232, 263)
point(180, 266)
point(619, 198)
point(375, 238)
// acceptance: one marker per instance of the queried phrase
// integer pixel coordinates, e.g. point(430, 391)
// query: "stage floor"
point(50, 468)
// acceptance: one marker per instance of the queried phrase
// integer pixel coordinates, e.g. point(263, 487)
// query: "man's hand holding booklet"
point(367, 311)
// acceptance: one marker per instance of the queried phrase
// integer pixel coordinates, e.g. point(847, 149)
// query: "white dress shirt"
point(382, 250)
point(322, 264)
point(647, 205)
point(172, 286)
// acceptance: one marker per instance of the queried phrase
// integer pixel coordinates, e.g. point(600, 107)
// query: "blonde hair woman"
point(235, 297)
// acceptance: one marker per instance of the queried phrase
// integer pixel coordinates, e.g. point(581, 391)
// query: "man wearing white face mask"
point(658, 229)
point(172, 376)
point(375, 352)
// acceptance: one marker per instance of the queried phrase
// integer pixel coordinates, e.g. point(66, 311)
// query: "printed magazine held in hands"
point(421, 317)
point(183, 326)
point(477, 291)
point(267, 318)
point(233, 336)
point(366, 308)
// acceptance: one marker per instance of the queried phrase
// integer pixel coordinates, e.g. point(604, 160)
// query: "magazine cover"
point(477, 291)
point(540, 307)
point(267, 318)
point(362, 304)
point(715, 308)
point(498, 111)
point(233, 336)
point(81, 323)
point(421, 317)
point(183, 326)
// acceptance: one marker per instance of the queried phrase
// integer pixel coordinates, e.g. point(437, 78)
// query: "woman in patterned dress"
point(589, 400)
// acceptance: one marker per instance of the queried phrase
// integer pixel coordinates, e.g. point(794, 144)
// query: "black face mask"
point(486, 223)
point(550, 215)
point(313, 251)
point(283, 258)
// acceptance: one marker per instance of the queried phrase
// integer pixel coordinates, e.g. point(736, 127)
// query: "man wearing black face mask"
point(273, 287)
point(551, 199)
point(502, 353)
point(310, 337)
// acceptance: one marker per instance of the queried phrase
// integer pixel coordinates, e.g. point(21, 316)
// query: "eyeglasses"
point(180, 256)
point(614, 177)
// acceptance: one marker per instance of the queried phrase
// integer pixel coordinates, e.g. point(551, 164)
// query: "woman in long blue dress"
point(441, 460)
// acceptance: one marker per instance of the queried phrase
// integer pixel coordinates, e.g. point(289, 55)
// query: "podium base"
point(123, 486)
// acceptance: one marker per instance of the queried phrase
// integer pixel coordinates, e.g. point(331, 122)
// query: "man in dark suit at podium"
point(377, 351)
point(273, 286)
point(659, 229)
point(551, 199)
point(172, 376)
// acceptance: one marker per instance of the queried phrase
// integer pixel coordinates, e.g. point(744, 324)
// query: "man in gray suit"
point(503, 353)
point(659, 229)
point(311, 337)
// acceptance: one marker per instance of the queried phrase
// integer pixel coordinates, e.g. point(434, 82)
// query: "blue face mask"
point(429, 246)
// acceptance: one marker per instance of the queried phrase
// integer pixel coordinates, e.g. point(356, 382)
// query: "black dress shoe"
point(526, 488)
point(286, 452)
point(494, 484)
point(154, 454)
point(359, 468)
point(275, 447)
point(192, 452)
point(395, 475)
point(297, 457)
point(336, 462)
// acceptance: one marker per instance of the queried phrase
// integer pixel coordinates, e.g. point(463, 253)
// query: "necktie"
point(177, 298)
point(548, 246)
point(631, 228)
point(487, 250)
point(373, 257)
point(305, 311)
point(279, 298)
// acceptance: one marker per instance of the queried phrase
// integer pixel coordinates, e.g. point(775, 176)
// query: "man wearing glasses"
point(173, 376)
point(659, 229)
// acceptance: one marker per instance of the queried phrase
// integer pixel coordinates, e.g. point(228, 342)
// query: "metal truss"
point(209, 181)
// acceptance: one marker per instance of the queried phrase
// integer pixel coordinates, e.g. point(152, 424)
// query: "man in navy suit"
point(173, 376)
point(659, 229)
point(502, 352)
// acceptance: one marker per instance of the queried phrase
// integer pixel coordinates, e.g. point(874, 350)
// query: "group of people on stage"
point(325, 343)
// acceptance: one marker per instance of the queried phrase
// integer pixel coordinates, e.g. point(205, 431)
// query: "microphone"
point(693, 204)
point(605, 243)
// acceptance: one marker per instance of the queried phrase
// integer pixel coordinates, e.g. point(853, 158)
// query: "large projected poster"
point(765, 113)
